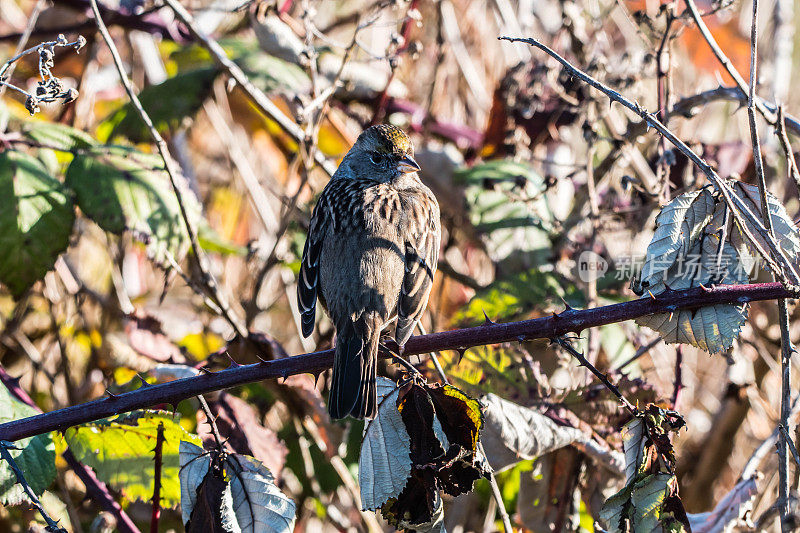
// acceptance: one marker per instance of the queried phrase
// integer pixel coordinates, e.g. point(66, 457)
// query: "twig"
point(139, 21)
point(687, 106)
point(261, 101)
point(746, 219)
point(383, 98)
point(640, 352)
point(212, 421)
point(549, 327)
point(676, 389)
point(720, 55)
point(172, 172)
point(52, 525)
point(156, 513)
point(498, 497)
point(787, 147)
point(564, 343)
point(783, 313)
point(663, 87)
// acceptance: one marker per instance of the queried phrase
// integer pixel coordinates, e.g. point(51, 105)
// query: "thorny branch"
point(783, 313)
point(549, 327)
point(95, 488)
point(157, 459)
point(52, 525)
point(747, 220)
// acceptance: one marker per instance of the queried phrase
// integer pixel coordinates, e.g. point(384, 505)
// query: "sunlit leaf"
point(35, 456)
point(712, 328)
point(519, 295)
point(58, 136)
point(128, 191)
point(167, 103)
point(677, 226)
point(120, 450)
point(35, 221)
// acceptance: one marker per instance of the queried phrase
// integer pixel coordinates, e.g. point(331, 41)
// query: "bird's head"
point(382, 153)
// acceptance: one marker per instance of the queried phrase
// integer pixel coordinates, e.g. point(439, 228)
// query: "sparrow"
point(370, 258)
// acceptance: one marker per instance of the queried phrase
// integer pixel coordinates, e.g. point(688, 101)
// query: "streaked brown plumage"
point(370, 257)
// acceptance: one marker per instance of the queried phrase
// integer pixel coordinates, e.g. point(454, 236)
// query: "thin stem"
point(52, 525)
point(212, 421)
point(564, 343)
point(746, 219)
point(548, 327)
point(787, 147)
point(792, 447)
point(784, 442)
point(173, 173)
point(23, 40)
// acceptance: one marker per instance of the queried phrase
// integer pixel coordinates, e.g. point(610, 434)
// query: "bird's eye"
point(376, 158)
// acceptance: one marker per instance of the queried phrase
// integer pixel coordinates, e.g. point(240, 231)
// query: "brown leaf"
point(207, 513)
point(146, 336)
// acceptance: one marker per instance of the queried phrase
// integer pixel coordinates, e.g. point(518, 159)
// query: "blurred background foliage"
point(531, 169)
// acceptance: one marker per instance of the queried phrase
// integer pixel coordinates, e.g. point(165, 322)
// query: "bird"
point(370, 257)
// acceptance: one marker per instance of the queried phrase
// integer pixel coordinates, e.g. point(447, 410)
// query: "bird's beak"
point(407, 164)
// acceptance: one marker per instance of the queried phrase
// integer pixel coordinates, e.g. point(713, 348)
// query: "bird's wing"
point(422, 256)
point(308, 279)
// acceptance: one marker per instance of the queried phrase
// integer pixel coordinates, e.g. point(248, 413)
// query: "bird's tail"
point(355, 370)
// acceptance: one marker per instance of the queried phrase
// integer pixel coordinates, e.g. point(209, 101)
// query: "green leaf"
point(507, 207)
point(35, 222)
point(124, 190)
point(167, 103)
point(58, 136)
point(648, 497)
point(120, 450)
point(35, 457)
point(271, 74)
point(517, 295)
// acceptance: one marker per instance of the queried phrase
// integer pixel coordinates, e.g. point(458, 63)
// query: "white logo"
point(591, 266)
